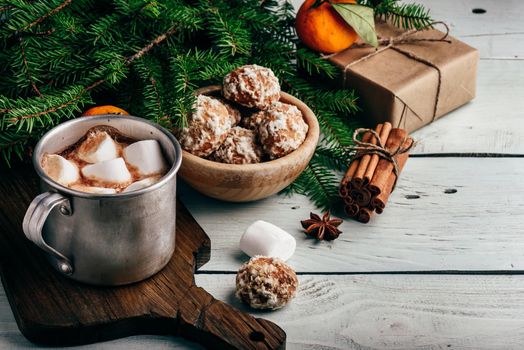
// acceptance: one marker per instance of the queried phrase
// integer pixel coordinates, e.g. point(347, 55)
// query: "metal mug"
point(109, 239)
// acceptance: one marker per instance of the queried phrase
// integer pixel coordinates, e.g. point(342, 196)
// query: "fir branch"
point(151, 56)
point(26, 69)
point(152, 44)
point(336, 131)
point(314, 64)
point(13, 143)
point(153, 91)
point(6, 8)
point(341, 101)
point(183, 68)
point(333, 157)
point(45, 16)
point(229, 35)
point(407, 16)
point(110, 77)
point(320, 185)
point(12, 118)
point(101, 29)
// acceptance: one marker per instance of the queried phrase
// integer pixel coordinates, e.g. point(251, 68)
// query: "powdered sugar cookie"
point(208, 127)
point(282, 129)
point(252, 86)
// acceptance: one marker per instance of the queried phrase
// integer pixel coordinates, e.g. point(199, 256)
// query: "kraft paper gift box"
point(412, 82)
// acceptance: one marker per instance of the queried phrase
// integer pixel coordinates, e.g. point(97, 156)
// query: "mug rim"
point(53, 184)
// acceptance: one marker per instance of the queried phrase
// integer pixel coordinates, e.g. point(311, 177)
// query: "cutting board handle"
point(206, 320)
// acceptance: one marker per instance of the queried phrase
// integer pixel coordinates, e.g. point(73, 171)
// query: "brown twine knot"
point(363, 148)
point(404, 38)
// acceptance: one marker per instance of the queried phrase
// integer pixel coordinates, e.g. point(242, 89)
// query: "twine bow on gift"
point(363, 148)
point(405, 38)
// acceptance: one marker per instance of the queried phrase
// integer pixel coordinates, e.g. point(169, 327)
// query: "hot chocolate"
point(104, 161)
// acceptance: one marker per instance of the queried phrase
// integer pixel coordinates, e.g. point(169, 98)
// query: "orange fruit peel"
point(322, 29)
point(106, 109)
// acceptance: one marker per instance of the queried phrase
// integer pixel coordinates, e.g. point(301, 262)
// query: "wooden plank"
point(492, 123)
point(367, 312)
point(397, 311)
point(477, 228)
point(497, 46)
point(498, 18)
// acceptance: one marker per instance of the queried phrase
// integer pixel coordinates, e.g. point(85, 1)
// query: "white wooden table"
point(440, 271)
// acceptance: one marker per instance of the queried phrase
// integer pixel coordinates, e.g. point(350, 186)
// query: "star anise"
point(322, 228)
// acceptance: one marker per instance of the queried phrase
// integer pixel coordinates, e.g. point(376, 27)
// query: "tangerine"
point(322, 29)
point(106, 109)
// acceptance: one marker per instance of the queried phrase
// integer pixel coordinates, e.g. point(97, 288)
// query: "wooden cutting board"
point(53, 310)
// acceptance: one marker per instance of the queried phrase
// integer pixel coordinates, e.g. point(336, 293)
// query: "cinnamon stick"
point(352, 185)
point(343, 191)
point(369, 180)
point(358, 179)
point(348, 200)
point(364, 215)
point(351, 209)
point(350, 173)
point(370, 171)
point(379, 202)
point(361, 195)
point(385, 167)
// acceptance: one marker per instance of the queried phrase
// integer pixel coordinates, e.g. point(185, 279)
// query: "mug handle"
point(34, 221)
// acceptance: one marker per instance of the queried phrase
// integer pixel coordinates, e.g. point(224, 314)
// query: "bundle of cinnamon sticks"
point(371, 176)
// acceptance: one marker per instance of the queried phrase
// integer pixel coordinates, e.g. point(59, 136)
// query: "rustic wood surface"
point(53, 310)
point(476, 308)
point(461, 220)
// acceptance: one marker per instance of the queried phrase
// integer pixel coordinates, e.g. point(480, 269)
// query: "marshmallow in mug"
point(264, 238)
point(97, 147)
point(60, 169)
point(113, 171)
point(146, 157)
point(94, 189)
point(138, 185)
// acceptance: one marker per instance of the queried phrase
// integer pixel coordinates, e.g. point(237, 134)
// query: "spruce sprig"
point(59, 57)
point(409, 16)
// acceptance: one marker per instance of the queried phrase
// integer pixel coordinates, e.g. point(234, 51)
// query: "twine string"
point(404, 38)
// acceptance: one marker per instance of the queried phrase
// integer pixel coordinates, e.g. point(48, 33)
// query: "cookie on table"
point(266, 283)
point(239, 147)
point(252, 86)
point(282, 129)
point(207, 127)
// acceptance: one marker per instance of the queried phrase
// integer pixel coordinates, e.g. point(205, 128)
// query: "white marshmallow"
point(263, 238)
point(60, 169)
point(112, 171)
point(92, 189)
point(97, 147)
point(146, 156)
point(148, 181)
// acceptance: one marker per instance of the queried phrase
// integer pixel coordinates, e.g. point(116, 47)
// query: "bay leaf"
point(360, 18)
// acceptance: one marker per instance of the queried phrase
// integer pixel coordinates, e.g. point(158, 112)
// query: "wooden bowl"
point(249, 182)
